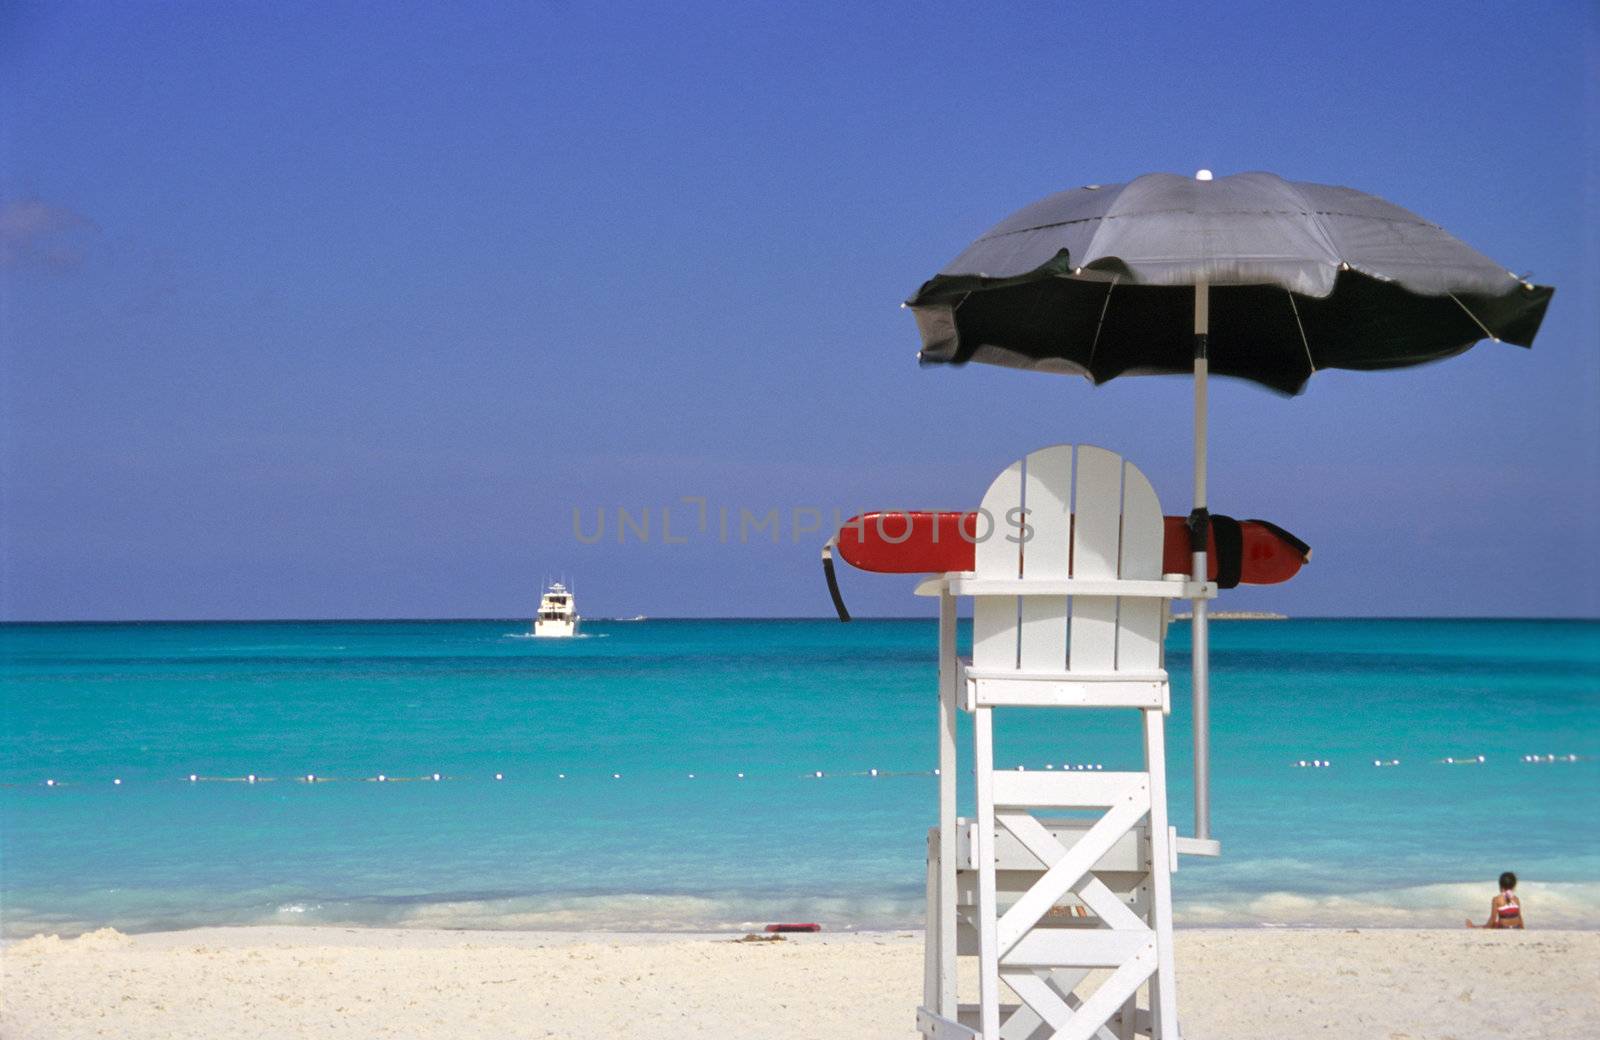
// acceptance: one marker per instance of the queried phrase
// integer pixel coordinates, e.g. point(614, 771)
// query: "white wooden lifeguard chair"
point(1072, 913)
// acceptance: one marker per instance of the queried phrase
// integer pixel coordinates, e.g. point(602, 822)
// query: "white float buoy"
point(436, 778)
point(691, 776)
point(49, 783)
point(872, 772)
point(382, 779)
point(193, 778)
point(311, 778)
point(499, 776)
point(739, 775)
point(561, 776)
point(116, 782)
point(1202, 175)
point(616, 776)
point(818, 774)
point(250, 779)
point(936, 771)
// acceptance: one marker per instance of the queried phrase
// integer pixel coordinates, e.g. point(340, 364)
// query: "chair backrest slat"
point(1141, 620)
point(1096, 533)
point(1047, 480)
point(994, 618)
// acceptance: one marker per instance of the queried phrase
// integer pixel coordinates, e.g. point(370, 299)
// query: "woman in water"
point(1505, 911)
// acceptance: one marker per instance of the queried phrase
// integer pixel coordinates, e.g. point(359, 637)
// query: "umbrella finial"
point(1202, 175)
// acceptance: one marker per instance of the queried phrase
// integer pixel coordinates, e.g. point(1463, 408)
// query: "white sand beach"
point(336, 982)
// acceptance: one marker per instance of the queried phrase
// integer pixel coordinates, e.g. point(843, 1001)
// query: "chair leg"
point(932, 998)
point(949, 677)
point(988, 942)
point(1163, 985)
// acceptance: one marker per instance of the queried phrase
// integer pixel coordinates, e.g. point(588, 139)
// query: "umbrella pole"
point(1199, 536)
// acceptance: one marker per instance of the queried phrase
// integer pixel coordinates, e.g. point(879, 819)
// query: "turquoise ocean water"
point(653, 702)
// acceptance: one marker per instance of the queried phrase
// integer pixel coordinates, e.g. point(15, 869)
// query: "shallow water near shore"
point(628, 840)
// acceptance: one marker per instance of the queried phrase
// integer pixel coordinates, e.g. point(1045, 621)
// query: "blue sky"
point(335, 310)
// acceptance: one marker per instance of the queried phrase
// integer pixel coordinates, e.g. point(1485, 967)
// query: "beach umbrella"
point(1251, 276)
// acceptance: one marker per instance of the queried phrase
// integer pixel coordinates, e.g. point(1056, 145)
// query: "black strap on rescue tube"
point(833, 582)
point(1301, 547)
point(1199, 525)
point(1230, 550)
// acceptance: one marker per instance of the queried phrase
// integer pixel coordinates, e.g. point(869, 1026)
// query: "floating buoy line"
point(387, 778)
point(1448, 760)
point(815, 774)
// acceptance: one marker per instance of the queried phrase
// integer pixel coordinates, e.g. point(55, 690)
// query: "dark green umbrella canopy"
point(1098, 281)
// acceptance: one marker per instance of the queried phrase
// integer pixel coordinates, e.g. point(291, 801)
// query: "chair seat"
point(1017, 688)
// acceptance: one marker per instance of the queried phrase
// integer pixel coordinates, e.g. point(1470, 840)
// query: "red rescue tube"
point(1265, 554)
point(909, 542)
point(926, 542)
point(794, 928)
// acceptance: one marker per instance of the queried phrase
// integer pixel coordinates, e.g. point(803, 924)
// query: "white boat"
point(558, 613)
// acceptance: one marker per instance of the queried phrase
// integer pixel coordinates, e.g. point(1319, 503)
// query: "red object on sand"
point(925, 542)
point(794, 927)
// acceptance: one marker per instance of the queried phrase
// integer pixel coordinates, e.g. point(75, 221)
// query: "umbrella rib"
point(1104, 306)
point(1412, 248)
point(1296, 309)
point(1474, 318)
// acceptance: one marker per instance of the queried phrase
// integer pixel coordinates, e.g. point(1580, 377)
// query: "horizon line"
point(729, 617)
